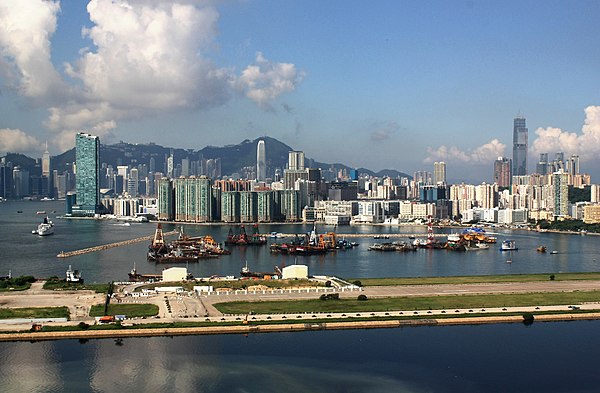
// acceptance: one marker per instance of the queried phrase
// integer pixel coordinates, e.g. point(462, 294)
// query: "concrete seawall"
point(246, 329)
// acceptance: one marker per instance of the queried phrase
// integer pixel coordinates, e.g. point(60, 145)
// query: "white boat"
point(508, 245)
point(45, 228)
point(74, 276)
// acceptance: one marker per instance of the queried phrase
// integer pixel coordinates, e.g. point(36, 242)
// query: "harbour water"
point(543, 357)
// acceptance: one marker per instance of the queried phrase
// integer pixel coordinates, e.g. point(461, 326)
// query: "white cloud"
point(148, 57)
point(26, 27)
point(586, 144)
point(480, 155)
point(264, 80)
point(13, 141)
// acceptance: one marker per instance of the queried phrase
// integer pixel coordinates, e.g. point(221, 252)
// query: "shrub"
point(357, 283)
point(83, 325)
point(528, 318)
point(330, 296)
point(362, 297)
point(328, 284)
point(552, 277)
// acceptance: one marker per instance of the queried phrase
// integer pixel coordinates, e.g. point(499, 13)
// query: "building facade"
point(520, 143)
point(87, 176)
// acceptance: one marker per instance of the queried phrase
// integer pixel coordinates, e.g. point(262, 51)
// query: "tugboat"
point(45, 228)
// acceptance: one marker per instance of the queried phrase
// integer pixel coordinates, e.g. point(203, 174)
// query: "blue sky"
point(384, 84)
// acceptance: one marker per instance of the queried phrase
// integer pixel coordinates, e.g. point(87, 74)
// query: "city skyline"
point(238, 70)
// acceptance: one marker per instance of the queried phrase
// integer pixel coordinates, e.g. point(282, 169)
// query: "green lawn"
point(409, 303)
point(130, 310)
point(475, 279)
point(34, 312)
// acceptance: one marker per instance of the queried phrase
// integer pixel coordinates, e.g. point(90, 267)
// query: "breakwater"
point(68, 254)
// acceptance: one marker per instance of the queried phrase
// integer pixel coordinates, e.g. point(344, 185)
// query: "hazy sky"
point(382, 84)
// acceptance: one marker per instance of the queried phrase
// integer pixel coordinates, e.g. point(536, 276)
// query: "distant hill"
point(233, 157)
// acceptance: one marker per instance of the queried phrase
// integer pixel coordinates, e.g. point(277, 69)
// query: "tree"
point(362, 297)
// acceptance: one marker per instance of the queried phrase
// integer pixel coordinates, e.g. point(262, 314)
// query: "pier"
point(371, 235)
point(68, 254)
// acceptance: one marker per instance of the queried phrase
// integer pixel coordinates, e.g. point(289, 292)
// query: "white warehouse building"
point(294, 271)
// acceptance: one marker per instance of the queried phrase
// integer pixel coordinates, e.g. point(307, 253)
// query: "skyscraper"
point(439, 172)
point(542, 166)
point(261, 161)
point(46, 162)
point(502, 170)
point(87, 158)
point(519, 161)
point(296, 160)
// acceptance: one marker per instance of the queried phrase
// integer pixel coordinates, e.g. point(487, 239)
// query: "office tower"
point(519, 160)
point(170, 165)
point(133, 182)
point(87, 158)
point(46, 162)
point(542, 165)
point(6, 175)
point(560, 187)
point(185, 167)
point(261, 161)
point(502, 171)
point(296, 160)
point(439, 172)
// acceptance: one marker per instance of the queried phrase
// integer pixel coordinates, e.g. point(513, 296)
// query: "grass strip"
point(57, 285)
point(34, 312)
point(409, 303)
point(476, 279)
point(130, 310)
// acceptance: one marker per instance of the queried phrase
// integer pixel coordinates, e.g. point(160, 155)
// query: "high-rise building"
point(520, 135)
point(46, 162)
point(439, 172)
point(133, 182)
point(502, 171)
point(542, 165)
point(87, 177)
point(261, 161)
point(296, 160)
point(166, 199)
point(560, 186)
point(573, 165)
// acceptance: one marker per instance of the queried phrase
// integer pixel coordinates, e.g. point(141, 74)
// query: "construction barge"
point(242, 238)
point(184, 249)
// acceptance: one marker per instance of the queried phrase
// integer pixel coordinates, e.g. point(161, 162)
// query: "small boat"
point(74, 276)
point(541, 249)
point(553, 252)
point(19, 211)
point(508, 245)
point(509, 261)
point(41, 212)
point(45, 228)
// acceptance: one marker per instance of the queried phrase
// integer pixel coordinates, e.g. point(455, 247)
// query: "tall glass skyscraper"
point(261, 161)
point(87, 159)
point(519, 161)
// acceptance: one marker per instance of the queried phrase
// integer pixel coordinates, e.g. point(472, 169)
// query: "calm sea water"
point(24, 253)
point(543, 357)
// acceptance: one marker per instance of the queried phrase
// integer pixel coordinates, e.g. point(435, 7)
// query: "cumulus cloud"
point(147, 57)
point(26, 27)
point(13, 140)
point(586, 144)
point(264, 80)
point(480, 155)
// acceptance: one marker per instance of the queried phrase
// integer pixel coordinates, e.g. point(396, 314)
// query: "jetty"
point(68, 254)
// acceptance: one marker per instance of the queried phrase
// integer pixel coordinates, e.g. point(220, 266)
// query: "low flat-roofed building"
point(174, 274)
point(294, 271)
